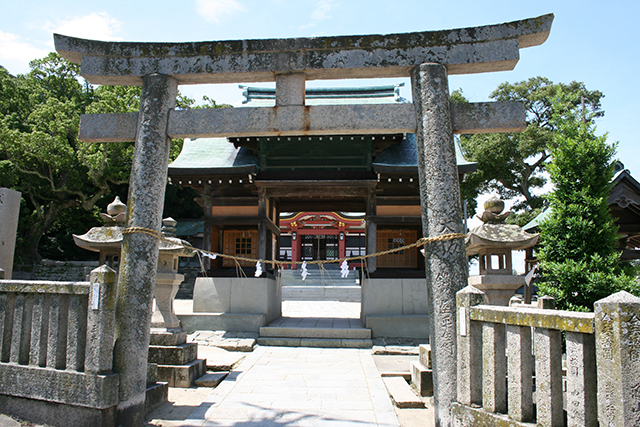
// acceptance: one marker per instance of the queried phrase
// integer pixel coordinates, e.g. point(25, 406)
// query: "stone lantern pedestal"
point(177, 360)
point(493, 242)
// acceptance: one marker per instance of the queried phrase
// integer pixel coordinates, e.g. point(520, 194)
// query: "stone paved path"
point(284, 386)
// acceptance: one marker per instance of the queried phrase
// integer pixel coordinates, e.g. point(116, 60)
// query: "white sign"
point(95, 300)
point(462, 321)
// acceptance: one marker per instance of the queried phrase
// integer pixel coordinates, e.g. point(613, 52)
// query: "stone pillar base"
point(499, 288)
point(177, 360)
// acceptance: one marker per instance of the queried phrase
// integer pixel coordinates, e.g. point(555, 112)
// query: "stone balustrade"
point(56, 349)
point(510, 364)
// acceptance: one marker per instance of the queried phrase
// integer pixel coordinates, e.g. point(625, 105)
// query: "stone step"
point(315, 342)
point(301, 332)
point(322, 293)
point(155, 396)
point(401, 393)
point(211, 379)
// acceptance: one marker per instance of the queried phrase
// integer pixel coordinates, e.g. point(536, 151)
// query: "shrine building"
point(297, 198)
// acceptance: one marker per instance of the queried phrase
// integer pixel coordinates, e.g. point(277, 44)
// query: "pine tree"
point(579, 260)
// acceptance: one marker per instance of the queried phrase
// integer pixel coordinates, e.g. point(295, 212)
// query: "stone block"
point(69, 387)
point(617, 324)
point(182, 375)
point(56, 414)
point(279, 342)
point(231, 322)
point(425, 355)
point(167, 338)
point(9, 212)
point(237, 296)
point(422, 379)
point(155, 395)
point(211, 379)
point(401, 393)
point(152, 373)
point(401, 326)
point(414, 296)
point(173, 355)
point(321, 342)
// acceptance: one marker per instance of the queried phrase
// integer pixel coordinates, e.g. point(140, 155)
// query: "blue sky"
point(589, 42)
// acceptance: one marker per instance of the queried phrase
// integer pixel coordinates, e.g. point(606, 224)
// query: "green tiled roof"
point(404, 157)
point(214, 156)
point(219, 156)
point(386, 94)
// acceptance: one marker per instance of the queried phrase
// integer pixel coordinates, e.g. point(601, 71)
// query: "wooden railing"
point(56, 340)
point(510, 364)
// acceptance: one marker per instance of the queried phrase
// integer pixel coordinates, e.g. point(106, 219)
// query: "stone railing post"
point(519, 373)
point(469, 348)
point(617, 326)
point(445, 262)
point(101, 317)
point(139, 255)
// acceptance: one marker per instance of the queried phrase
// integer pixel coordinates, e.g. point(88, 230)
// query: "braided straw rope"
point(420, 242)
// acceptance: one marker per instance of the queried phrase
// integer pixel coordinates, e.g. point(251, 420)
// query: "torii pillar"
point(139, 255)
point(445, 262)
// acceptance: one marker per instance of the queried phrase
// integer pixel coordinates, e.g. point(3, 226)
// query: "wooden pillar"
point(372, 230)
point(295, 246)
point(263, 216)
point(207, 231)
point(342, 241)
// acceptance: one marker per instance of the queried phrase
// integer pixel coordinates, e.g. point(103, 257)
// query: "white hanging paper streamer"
point(212, 256)
point(258, 269)
point(304, 271)
point(344, 269)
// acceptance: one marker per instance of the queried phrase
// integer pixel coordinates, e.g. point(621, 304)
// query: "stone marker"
point(618, 359)
point(9, 210)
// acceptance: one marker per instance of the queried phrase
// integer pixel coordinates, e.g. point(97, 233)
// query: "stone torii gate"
point(427, 57)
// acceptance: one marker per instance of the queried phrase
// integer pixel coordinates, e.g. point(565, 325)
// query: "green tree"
point(578, 256)
point(65, 182)
point(40, 154)
point(513, 164)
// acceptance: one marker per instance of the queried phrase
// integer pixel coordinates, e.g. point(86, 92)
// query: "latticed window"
point(392, 239)
point(240, 243)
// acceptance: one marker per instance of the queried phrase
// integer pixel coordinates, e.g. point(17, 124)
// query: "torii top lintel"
point(462, 51)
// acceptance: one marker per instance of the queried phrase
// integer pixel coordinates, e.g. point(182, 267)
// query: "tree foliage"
point(578, 256)
point(41, 154)
point(513, 164)
point(64, 181)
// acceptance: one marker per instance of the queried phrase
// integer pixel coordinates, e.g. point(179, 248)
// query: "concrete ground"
point(285, 386)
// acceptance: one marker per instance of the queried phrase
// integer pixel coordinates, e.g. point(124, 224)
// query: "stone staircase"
point(322, 284)
point(315, 332)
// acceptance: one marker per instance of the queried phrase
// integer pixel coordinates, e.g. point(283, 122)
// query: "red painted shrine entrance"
point(314, 236)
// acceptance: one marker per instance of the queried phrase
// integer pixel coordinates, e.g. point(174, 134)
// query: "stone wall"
point(395, 307)
point(66, 271)
point(56, 350)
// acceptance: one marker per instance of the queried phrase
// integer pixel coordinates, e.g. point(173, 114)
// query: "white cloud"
point(322, 11)
point(16, 53)
point(214, 10)
point(96, 26)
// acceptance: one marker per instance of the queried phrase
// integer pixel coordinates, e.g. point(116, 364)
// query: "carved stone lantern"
point(107, 240)
point(493, 242)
